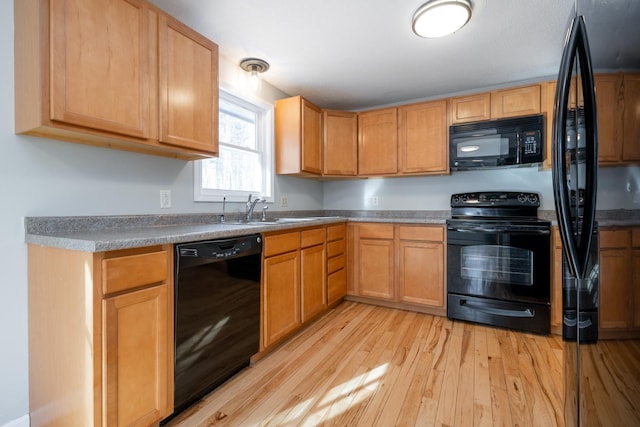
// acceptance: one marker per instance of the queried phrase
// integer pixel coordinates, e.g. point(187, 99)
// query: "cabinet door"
point(375, 268)
point(340, 143)
point(137, 350)
point(280, 296)
point(99, 65)
point(631, 134)
point(556, 282)
point(336, 286)
point(313, 287)
point(421, 273)
point(470, 108)
point(615, 280)
point(423, 138)
point(548, 95)
point(311, 138)
point(188, 84)
point(521, 101)
point(378, 142)
point(608, 99)
point(635, 263)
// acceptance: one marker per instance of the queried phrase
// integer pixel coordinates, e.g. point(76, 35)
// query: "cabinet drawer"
point(281, 243)
point(128, 272)
point(615, 238)
point(335, 263)
point(335, 248)
point(336, 232)
point(431, 234)
point(376, 231)
point(312, 237)
point(635, 237)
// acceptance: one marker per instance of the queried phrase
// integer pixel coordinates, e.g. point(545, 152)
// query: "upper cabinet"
point(423, 138)
point(520, 101)
point(618, 109)
point(470, 108)
point(340, 141)
point(188, 79)
point(298, 137)
point(115, 73)
point(378, 142)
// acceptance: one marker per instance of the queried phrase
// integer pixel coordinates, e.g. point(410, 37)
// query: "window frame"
point(266, 140)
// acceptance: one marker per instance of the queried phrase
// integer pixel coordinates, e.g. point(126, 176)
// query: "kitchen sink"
point(283, 220)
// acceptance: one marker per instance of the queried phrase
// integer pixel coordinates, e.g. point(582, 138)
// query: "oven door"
point(499, 275)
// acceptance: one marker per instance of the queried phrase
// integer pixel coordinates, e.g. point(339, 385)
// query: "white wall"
point(618, 188)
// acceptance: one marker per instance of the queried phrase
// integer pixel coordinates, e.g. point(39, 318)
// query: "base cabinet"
point(313, 258)
point(100, 336)
point(397, 265)
point(336, 263)
point(421, 268)
point(619, 312)
point(280, 287)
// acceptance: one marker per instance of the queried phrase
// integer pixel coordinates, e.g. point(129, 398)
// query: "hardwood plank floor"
point(362, 365)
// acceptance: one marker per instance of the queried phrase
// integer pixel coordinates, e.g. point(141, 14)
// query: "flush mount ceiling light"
point(437, 18)
point(254, 66)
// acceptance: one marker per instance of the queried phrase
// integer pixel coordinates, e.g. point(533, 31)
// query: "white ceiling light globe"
point(438, 18)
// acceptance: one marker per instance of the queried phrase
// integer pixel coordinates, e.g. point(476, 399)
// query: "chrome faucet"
point(251, 205)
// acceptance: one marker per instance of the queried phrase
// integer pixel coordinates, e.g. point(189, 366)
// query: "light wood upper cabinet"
point(470, 108)
point(108, 360)
point(631, 117)
point(99, 65)
point(547, 96)
point(609, 98)
point(115, 73)
point(340, 141)
point(513, 102)
point(188, 82)
point(521, 101)
point(423, 138)
point(378, 142)
point(298, 137)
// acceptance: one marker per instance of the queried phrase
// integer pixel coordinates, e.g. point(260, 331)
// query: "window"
point(245, 144)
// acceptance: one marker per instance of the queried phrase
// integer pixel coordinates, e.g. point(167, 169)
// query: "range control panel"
point(495, 199)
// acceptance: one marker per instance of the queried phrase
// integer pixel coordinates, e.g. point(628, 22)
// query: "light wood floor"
point(362, 365)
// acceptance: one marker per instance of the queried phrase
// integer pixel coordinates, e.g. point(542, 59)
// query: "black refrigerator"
point(600, 388)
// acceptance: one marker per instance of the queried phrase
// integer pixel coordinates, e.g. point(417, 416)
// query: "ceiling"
point(360, 54)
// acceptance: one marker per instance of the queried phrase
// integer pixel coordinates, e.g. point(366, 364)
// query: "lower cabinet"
point(312, 272)
point(556, 282)
point(100, 336)
point(280, 287)
point(618, 290)
point(303, 272)
point(397, 265)
point(336, 263)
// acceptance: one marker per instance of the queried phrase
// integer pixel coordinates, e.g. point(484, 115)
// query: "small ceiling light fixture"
point(437, 18)
point(254, 66)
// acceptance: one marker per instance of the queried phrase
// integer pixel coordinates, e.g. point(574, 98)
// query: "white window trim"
point(265, 120)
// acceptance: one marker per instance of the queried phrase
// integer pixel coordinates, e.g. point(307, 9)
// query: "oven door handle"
point(486, 308)
point(499, 230)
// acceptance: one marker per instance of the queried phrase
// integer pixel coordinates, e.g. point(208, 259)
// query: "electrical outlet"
point(374, 200)
point(284, 202)
point(165, 199)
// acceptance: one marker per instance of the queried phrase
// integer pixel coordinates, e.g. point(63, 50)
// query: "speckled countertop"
point(104, 233)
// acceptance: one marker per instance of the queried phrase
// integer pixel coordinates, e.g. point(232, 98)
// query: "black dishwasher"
point(217, 313)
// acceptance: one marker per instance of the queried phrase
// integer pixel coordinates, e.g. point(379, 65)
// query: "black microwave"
point(495, 143)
